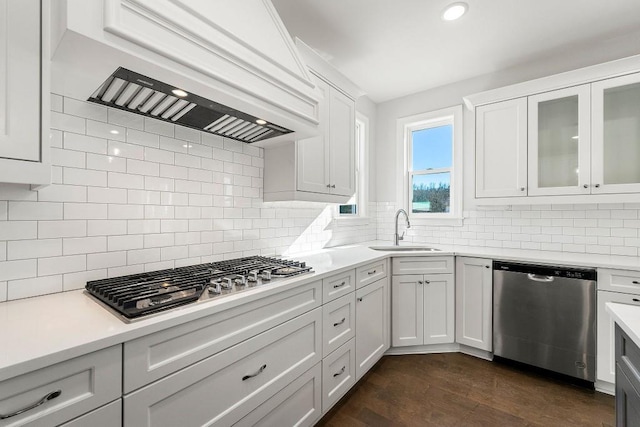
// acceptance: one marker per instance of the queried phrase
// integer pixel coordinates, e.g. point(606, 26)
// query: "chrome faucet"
point(396, 237)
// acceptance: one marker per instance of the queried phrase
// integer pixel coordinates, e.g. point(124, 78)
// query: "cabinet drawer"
point(108, 416)
point(619, 281)
point(154, 356)
point(84, 383)
point(422, 265)
point(370, 273)
point(223, 388)
point(338, 322)
point(335, 286)
point(298, 404)
point(338, 374)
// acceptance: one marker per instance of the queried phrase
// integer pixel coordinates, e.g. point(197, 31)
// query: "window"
point(356, 206)
point(432, 186)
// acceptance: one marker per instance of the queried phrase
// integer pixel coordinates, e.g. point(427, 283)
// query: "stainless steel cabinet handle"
point(597, 185)
point(522, 188)
point(360, 299)
point(419, 282)
point(341, 372)
point(486, 266)
point(45, 399)
point(258, 372)
point(635, 282)
point(333, 186)
point(427, 281)
point(340, 285)
point(371, 272)
point(340, 322)
point(586, 185)
point(328, 185)
point(635, 300)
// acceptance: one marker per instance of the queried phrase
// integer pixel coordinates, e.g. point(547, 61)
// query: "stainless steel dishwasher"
point(546, 317)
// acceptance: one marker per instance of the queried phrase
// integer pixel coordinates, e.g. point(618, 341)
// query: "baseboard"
point(424, 349)
point(481, 354)
point(605, 387)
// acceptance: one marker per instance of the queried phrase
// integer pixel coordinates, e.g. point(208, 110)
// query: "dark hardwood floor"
point(453, 389)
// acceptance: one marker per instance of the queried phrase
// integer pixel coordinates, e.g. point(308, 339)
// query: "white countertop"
point(37, 332)
point(628, 317)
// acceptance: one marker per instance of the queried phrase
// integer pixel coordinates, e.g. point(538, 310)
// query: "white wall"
point(151, 196)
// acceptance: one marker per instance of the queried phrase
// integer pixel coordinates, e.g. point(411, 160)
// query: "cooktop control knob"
point(215, 289)
point(266, 275)
point(240, 280)
point(253, 276)
point(227, 283)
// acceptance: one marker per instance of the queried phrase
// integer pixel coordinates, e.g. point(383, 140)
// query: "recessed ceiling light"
point(454, 11)
point(261, 122)
point(179, 93)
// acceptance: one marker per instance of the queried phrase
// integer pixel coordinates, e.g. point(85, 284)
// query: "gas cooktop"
point(143, 294)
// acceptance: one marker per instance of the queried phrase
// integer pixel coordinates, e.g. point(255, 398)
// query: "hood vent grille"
point(133, 92)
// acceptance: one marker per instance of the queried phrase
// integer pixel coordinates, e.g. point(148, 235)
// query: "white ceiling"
point(395, 48)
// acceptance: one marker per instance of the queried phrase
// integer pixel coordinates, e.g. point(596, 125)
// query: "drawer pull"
point(635, 282)
point(360, 299)
point(340, 373)
point(45, 399)
point(371, 272)
point(636, 300)
point(258, 372)
point(340, 322)
point(340, 285)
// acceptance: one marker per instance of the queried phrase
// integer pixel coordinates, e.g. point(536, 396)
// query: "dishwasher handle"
point(540, 278)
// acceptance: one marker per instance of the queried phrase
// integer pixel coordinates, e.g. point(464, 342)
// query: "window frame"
point(406, 125)
point(362, 175)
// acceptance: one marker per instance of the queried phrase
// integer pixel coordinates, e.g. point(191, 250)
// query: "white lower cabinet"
point(298, 404)
point(423, 309)
point(372, 324)
point(474, 293)
point(67, 390)
point(338, 323)
point(605, 354)
point(107, 416)
point(223, 388)
point(338, 374)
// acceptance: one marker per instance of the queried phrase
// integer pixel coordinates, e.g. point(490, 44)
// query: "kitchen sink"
point(404, 248)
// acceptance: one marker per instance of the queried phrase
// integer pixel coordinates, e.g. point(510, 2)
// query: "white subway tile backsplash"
point(143, 168)
point(187, 134)
point(84, 143)
point(123, 180)
point(122, 149)
point(61, 264)
point(158, 184)
point(106, 163)
point(85, 109)
point(26, 249)
point(142, 138)
point(158, 127)
point(53, 229)
point(215, 141)
point(106, 195)
point(73, 176)
point(71, 281)
point(67, 123)
point(159, 156)
point(159, 212)
point(106, 227)
point(123, 243)
point(18, 230)
point(126, 211)
point(11, 270)
point(106, 260)
point(143, 226)
point(143, 256)
point(125, 119)
point(70, 158)
point(23, 211)
point(85, 211)
point(143, 197)
point(25, 288)
point(4, 206)
point(56, 103)
point(106, 130)
point(174, 252)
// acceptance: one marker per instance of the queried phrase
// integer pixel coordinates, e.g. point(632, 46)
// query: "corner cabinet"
point(320, 168)
point(24, 92)
point(474, 293)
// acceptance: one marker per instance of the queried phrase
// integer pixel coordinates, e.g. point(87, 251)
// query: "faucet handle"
point(401, 237)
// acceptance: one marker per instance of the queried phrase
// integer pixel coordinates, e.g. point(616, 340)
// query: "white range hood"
point(236, 55)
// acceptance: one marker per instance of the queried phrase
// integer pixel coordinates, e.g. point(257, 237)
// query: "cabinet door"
point(20, 79)
point(474, 285)
point(559, 142)
point(605, 354)
point(407, 313)
point(439, 306)
point(627, 401)
point(615, 146)
point(372, 325)
point(501, 149)
point(313, 153)
point(107, 416)
point(342, 134)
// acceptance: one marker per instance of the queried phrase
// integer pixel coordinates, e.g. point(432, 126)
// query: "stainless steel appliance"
point(143, 294)
point(546, 317)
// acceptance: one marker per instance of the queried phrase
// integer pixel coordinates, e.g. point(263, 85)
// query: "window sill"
point(453, 222)
point(351, 221)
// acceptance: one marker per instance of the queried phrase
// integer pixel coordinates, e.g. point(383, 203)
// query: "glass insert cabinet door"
point(616, 135)
point(559, 142)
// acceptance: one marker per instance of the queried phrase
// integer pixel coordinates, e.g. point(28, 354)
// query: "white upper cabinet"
point(238, 54)
point(616, 135)
point(23, 107)
point(501, 136)
point(559, 142)
point(569, 138)
point(321, 168)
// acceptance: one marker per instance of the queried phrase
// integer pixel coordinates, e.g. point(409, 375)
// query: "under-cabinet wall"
point(132, 194)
